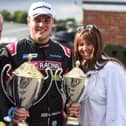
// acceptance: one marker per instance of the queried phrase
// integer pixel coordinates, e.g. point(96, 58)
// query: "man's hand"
point(20, 115)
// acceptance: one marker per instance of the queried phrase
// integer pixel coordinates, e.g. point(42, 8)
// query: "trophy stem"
point(75, 83)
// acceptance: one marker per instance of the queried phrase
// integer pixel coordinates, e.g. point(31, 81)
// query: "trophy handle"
point(60, 72)
point(2, 80)
point(61, 91)
point(46, 70)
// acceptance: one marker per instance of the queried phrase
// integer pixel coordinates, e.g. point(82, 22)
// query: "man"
point(2, 105)
point(49, 110)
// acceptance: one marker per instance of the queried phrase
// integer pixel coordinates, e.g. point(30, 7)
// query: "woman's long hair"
point(92, 34)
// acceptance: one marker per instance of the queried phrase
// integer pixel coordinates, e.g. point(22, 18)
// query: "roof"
point(105, 5)
point(119, 2)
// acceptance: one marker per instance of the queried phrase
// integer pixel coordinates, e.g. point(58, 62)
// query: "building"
point(109, 16)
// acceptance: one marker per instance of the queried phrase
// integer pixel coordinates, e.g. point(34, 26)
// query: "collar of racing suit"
point(39, 45)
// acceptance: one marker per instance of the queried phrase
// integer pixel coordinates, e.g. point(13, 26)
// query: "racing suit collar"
point(39, 45)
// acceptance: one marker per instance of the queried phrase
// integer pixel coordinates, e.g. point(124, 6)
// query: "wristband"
point(10, 115)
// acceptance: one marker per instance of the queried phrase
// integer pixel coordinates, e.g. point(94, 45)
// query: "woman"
point(104, 102)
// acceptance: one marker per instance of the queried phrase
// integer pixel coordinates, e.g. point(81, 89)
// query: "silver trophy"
point(75, 82)
point(24, 86)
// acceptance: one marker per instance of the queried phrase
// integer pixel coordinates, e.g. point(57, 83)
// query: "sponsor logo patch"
point(12, 48)
point(41, 65)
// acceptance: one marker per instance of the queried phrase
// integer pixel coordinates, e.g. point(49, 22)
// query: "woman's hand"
point(20, 115)
point(73, 109)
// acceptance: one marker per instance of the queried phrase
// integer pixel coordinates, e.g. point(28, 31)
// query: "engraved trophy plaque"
point(24, 86)
point(75, 82)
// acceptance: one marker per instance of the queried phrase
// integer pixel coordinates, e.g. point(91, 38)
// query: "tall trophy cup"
point(75, 82)
point(24, 86)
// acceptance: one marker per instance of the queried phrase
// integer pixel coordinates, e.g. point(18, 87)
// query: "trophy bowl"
point(24, 90)
point(75, 83)
point(24, 87)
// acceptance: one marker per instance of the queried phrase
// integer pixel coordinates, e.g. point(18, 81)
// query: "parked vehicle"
point(64, 37)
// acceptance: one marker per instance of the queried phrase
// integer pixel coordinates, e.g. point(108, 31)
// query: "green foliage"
point(20, 16)
point(60, 28)
point(116, 51)
point(17, 16)
point(61, 21)
point(66, 24)
point(6, 15)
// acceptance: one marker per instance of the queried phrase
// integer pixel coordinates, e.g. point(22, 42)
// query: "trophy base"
point(73, 121)
point(22, 124)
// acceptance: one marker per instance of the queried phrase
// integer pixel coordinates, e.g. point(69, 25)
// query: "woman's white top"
point(103, 103)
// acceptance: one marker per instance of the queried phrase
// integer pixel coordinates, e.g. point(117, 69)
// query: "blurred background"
point(68, 16)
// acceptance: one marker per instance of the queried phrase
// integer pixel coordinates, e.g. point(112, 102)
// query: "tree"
point(116, 51)
point(20, 16)
point(6, 15)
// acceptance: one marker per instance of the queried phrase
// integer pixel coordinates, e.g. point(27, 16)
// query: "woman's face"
point(85, 49)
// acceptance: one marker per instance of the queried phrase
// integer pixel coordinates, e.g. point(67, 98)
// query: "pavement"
point(14, 31)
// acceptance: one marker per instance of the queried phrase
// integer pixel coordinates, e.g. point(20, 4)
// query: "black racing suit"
point(49, 110)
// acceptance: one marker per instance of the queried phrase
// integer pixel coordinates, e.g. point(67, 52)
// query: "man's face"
point(1, 28)
point(40, 28)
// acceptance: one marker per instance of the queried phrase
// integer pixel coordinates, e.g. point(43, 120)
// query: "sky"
point(63, 8)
